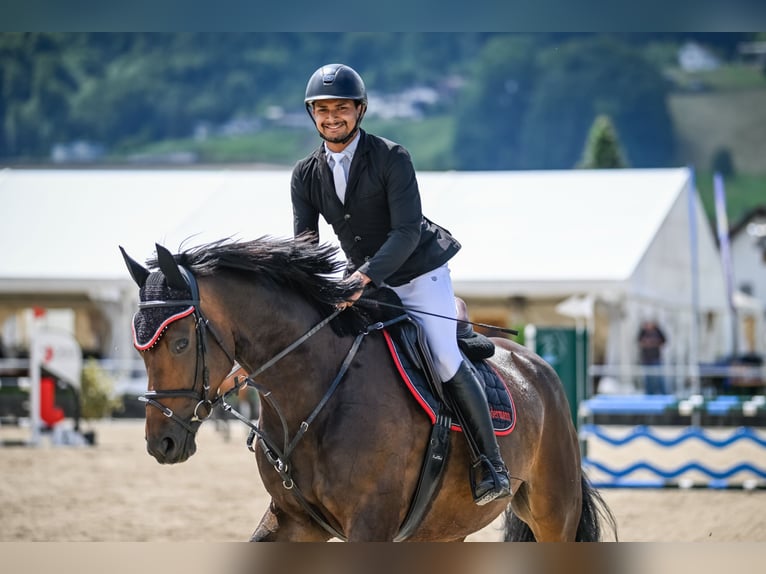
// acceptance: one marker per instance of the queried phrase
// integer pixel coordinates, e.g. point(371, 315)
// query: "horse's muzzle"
point(171, 447)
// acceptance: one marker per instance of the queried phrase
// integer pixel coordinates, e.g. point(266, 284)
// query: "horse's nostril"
point(167, 446)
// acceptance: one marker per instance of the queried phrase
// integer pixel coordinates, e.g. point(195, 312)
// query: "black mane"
point(301, 265)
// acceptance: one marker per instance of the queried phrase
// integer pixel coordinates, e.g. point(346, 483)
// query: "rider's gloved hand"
point(356, 278)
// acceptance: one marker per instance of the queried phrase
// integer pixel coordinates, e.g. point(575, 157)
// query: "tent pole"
point(694, 335)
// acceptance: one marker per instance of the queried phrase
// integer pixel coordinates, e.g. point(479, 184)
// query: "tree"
point(723, 162)
point(96, 393)
point(493, 104)
point(588, 77)
point(35, 87)
point(602, 149)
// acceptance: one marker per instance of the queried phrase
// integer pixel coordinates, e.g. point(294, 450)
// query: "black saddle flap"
point(412, 342)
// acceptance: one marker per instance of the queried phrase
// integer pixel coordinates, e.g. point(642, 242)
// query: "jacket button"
point(347, 216)
point(357, 238)
point(366, 257)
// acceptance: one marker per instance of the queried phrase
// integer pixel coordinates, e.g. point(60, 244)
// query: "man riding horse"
point(365, 187)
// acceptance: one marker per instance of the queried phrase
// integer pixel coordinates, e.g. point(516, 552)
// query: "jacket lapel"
point(325, 175)
point(358, 165)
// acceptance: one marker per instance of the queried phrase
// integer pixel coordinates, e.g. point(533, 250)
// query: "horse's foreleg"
point(277, 526)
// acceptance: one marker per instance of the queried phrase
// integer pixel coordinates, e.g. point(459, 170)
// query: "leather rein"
point(278, 457)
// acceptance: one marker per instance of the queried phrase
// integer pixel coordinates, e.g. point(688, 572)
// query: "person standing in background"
point(651, 339)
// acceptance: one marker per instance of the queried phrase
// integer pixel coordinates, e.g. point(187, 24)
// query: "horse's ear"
point(170, 269)
point(138, 272)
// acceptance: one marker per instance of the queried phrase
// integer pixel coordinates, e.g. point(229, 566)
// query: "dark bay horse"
point(349, 436)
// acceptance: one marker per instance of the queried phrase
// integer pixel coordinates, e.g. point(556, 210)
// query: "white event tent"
point(621, 238)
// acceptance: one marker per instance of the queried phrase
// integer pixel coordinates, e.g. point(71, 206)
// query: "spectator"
point(650, 342)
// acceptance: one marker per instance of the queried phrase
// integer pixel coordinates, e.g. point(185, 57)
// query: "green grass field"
point(743, 193)
point(731, 77)
point(708, 122)
point(431, 137)
point(728, 112)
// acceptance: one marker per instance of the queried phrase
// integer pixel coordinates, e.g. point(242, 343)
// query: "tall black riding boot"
point(465, 392)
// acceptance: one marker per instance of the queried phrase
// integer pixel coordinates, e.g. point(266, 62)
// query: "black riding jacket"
point(381, 228)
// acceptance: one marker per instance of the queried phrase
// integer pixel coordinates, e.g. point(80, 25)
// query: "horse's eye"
point(180, 345)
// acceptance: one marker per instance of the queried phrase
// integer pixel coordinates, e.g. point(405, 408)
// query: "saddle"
point(384, 305)
point(413, 359)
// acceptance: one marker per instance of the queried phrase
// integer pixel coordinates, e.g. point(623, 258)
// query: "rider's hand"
point(356, 277)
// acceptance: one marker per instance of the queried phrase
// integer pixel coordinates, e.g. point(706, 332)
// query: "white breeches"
point(432, 292)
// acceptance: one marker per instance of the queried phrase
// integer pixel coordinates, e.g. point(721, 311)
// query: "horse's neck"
point(270, 328)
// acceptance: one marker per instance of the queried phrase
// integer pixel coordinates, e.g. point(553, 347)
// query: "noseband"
point(202, 326)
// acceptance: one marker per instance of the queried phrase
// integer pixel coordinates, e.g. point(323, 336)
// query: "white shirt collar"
point(348, 151)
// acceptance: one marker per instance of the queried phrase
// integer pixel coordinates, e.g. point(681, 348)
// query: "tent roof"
point(517, 228)
point(554, 226)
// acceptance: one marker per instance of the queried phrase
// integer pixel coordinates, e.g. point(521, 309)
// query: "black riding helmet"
point(337, 81)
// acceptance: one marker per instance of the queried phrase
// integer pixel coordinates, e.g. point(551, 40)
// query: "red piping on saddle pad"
point(426, 407)
point(408, 382)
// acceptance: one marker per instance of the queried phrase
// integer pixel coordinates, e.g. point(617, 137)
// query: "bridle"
point(202, 327)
